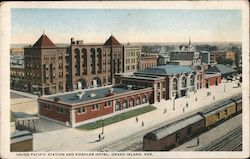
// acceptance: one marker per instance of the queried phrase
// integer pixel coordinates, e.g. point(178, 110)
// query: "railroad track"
point(230, 142)
point(135, 142)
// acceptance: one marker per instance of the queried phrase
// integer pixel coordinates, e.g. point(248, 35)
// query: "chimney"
point(79, 42)
point(80, 94)
point(72, 41)
point(57, 99)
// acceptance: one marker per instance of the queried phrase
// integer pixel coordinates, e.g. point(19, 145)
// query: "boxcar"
point(213, 115)
point(169, 136)
point(238, 101)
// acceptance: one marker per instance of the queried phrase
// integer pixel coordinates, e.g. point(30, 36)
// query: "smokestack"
point(72, 41)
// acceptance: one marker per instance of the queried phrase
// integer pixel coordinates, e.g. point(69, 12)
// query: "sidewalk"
point(76, 140)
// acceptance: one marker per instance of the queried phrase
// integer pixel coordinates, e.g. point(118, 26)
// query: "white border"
point(4, 63)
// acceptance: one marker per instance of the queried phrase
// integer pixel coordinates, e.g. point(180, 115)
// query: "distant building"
point(186, 55)
point(17, 51)
point(148, 60)
point(163, 59)
point(227, 55)
point(224, 70)
point(205, 57)
point(132, 56)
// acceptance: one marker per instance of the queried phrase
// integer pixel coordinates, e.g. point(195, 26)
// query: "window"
point(125, 104)
point(108, 103)
point(184, 82)
point(189, 130)
point(192, 80)
point(95, 107)
point(218, 116)
point(81, 110)
point(144, 99)
point(199, 125)
point(226, 112)
point(177, 137)
point(47, 106)
point(175, 84)
point(60, 109)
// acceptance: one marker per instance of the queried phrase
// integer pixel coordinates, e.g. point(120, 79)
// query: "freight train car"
point(171, 135)
point(214, 115)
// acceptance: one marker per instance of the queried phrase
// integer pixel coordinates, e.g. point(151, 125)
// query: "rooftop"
point(173, 127)
point(44, 42)
point(167, 70)
point(221, 68)
point(91, 94)
point(112, 41)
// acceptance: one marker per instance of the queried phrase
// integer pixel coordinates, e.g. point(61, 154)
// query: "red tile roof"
point(111, 41)
point(44, 42)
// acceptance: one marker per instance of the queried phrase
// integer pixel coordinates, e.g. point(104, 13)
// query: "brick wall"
point(89, 114)
point(53, 114)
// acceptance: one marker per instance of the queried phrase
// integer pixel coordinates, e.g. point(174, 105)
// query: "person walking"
point(142, 124)
point(213, 97)
point(183, 110)
point(164, 111)
point(136, 119)
point(198, 141)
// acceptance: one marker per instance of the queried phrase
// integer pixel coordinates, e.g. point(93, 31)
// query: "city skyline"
point(127, 25)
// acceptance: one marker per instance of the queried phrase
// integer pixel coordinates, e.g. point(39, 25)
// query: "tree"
point(224, 61)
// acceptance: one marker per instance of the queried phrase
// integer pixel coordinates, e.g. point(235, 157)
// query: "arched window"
point(184, 82)
point(125, 104)
point(118, 106)
point(192, 80)
point(131, 102)
point(138, 101)
point(144, 99)
point(175, 84)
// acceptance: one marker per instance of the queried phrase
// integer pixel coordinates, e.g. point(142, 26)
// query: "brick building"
point(79, 107)
point(51, 69)
point(144, 87)
point(89, 66)
point(148, 60)
point(132, 57)
point(46, 69)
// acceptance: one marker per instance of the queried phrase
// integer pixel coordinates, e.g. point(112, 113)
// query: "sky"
point(127, 25)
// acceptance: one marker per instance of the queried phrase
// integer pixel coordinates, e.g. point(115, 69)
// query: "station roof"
point(173, 127)
point(167, 70)
point(92, 94)
point(221, 68)
point(20, 116)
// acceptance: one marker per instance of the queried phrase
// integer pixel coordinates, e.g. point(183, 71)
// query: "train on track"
point(174, 134)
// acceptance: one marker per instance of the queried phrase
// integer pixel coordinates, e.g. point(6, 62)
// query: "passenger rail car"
point(172, 135)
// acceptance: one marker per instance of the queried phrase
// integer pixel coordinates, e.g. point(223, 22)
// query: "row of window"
point(58, 109)
point(94, 107)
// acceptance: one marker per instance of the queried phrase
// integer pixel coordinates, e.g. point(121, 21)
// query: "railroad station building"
point(140, 89)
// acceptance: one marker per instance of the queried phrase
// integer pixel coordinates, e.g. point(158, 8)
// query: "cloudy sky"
point(127, 25)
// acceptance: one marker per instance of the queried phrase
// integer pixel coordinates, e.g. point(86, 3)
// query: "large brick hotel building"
point(51, 69)
point(144, 87)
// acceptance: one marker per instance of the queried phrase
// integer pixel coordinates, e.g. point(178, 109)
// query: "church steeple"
point(189, 42)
